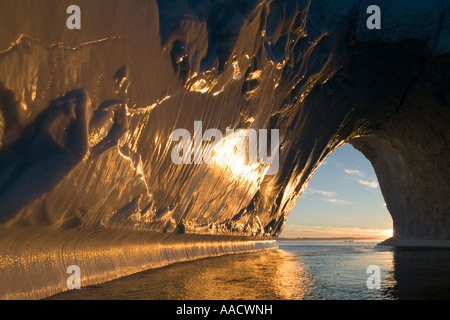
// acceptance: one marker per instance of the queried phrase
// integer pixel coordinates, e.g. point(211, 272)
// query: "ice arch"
point(98, 105)
point(311, 69)
point(385, 91)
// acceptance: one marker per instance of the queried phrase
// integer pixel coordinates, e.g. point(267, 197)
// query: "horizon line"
point(329, 238)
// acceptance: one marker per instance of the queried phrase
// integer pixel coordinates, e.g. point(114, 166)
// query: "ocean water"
point(292, 271)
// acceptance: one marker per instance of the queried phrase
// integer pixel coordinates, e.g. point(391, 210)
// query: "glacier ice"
point(86, 117)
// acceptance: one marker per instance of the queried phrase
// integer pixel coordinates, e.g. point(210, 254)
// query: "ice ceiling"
point(87, 115)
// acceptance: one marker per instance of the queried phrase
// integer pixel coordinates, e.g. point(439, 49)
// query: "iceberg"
point(86, 117)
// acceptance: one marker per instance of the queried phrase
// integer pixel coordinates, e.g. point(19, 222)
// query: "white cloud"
point(322, 192)
point(355, 172)
point(336, 201)
point(371, 184)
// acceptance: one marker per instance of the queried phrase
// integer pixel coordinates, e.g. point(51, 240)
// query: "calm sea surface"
point(294, 270)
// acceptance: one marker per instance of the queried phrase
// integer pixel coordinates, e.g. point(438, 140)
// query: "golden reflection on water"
point(291, 280)
point(294, 271)
point(269, 274)
point(273, 274)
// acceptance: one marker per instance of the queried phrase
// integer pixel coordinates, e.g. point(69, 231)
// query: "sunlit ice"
point(241, 151)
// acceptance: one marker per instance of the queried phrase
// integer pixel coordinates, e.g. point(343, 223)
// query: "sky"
point(342, 199)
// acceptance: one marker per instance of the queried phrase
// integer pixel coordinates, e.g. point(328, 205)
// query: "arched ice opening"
point(342, 200)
